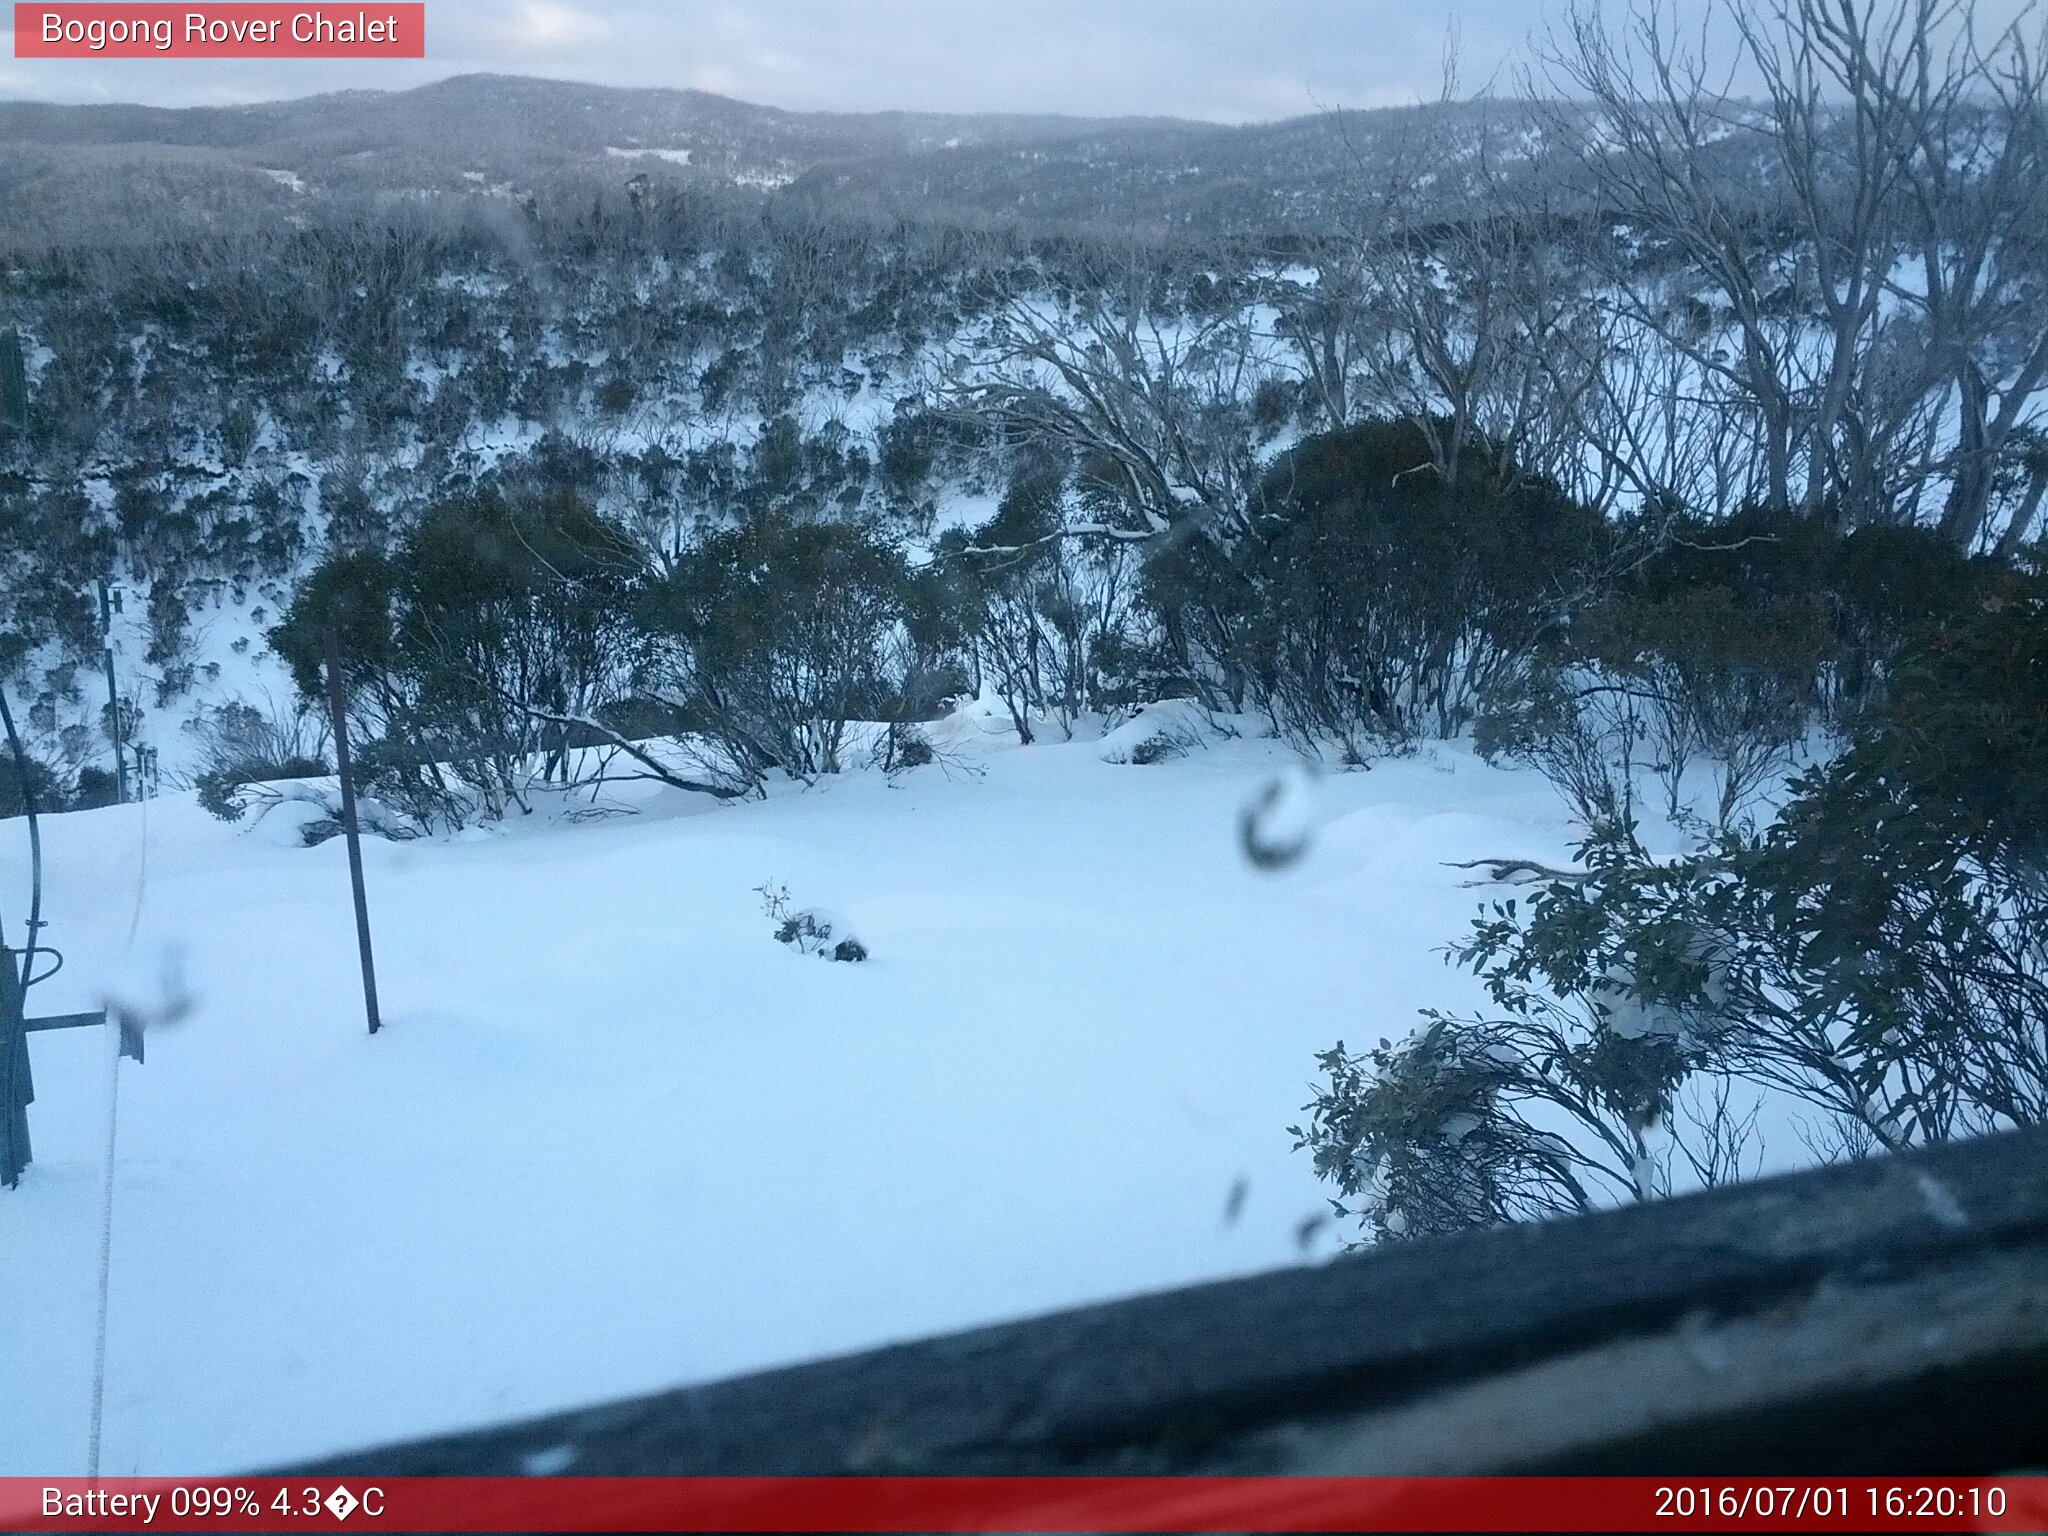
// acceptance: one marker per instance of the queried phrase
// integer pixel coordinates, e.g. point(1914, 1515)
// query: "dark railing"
point(1884, 1316)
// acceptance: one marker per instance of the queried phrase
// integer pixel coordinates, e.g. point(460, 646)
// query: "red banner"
point(366, 29)
point(892, 1504)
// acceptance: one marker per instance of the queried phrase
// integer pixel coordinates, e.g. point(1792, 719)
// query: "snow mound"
point(1156, 734)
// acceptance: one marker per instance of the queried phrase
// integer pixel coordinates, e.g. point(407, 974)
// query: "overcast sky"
point(1226, 60)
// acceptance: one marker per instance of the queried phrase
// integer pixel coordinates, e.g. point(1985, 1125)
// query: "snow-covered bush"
point(902, 746)
point(1158, 749)
point(810, 930)
point(1474, 1122)
point(1157, 733)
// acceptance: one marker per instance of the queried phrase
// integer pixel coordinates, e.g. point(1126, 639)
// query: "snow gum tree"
point(1878, 953)
point(474, 652)
point(773, 637)
point(1370, 601)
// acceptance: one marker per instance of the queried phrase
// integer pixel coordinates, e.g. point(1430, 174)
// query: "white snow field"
point(613, 1138)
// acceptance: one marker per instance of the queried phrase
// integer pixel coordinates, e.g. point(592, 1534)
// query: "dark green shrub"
point(19, 784)
point(1730, 643)
point(1876, 953)
point(475, 653)
point(774, 636)
point(1715, 672)
point(1371, 604)
point(94, 787)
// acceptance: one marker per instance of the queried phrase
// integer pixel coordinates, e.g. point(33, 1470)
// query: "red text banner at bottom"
point(893, 1504)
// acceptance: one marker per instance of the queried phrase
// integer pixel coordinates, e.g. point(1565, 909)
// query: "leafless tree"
point(1154, 402)
point(1974, 192)
point(1835, 274)
point(1324, 322)
point(1454, 298)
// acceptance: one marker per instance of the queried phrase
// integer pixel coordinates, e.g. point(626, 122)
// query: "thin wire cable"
point(99, 1346)
point(141, 866)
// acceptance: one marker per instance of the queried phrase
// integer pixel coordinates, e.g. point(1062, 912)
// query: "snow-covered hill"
point(613, 1137)
point(122, 172)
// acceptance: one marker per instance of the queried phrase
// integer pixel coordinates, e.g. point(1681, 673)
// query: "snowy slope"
point(614, 1138)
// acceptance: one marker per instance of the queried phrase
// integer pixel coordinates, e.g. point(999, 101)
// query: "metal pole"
point(15, 1079)
point(15, 1092)
point(113, 695)
point(34, 927)
point(14, 1082)
point(339, 711)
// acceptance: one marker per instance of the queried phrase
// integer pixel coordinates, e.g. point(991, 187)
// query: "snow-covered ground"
point(614, 1138)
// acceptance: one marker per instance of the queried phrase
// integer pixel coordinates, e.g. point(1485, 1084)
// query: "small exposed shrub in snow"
point(220, 796)
point(811, 930)
point(1156, 733)
point(815, 933)
point(905, 746)
point(1158, 749)
point(319, 830)
point(372, 820)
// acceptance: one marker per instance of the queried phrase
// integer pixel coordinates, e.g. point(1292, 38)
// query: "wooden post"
point(337, 707)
